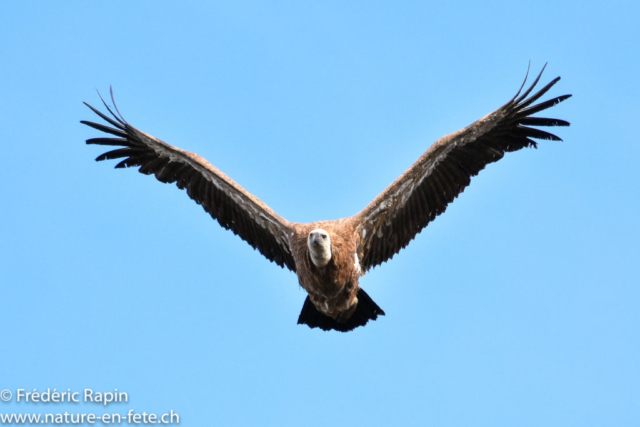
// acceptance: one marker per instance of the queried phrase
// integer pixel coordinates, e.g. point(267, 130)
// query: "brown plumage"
point(329, 257)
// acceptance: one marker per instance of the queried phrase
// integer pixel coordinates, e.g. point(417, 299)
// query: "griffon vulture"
point(329, 257)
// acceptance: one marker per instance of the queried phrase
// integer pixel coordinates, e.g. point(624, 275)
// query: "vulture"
point(329, 257)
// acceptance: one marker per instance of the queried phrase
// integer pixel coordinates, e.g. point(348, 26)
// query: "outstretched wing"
point(231, 205)
point(423, 192)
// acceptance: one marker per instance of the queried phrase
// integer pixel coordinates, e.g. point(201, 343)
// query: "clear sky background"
point(520, 306)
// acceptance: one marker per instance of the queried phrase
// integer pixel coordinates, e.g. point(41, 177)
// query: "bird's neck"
point(320, 255)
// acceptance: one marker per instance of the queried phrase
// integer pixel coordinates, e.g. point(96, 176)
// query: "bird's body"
point(329, 257)
point(332, 288)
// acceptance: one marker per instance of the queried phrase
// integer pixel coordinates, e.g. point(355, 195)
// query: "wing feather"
point(115, 142)
point(423, 192)
point(232, 206)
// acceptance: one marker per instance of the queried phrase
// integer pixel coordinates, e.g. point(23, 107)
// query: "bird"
point(330, 257)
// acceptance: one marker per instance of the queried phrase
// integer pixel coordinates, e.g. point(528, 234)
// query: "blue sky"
point(519, 306)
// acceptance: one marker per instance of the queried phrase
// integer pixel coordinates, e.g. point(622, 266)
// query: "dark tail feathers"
point(365, 311)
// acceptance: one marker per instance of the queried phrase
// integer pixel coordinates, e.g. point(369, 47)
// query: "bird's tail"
point(365, 310)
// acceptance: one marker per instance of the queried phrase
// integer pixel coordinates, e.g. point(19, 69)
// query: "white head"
point(319, 244)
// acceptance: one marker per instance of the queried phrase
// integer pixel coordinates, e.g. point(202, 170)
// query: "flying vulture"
point(329, 257)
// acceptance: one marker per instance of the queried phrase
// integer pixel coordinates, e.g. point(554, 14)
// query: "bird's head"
point(319, 244)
